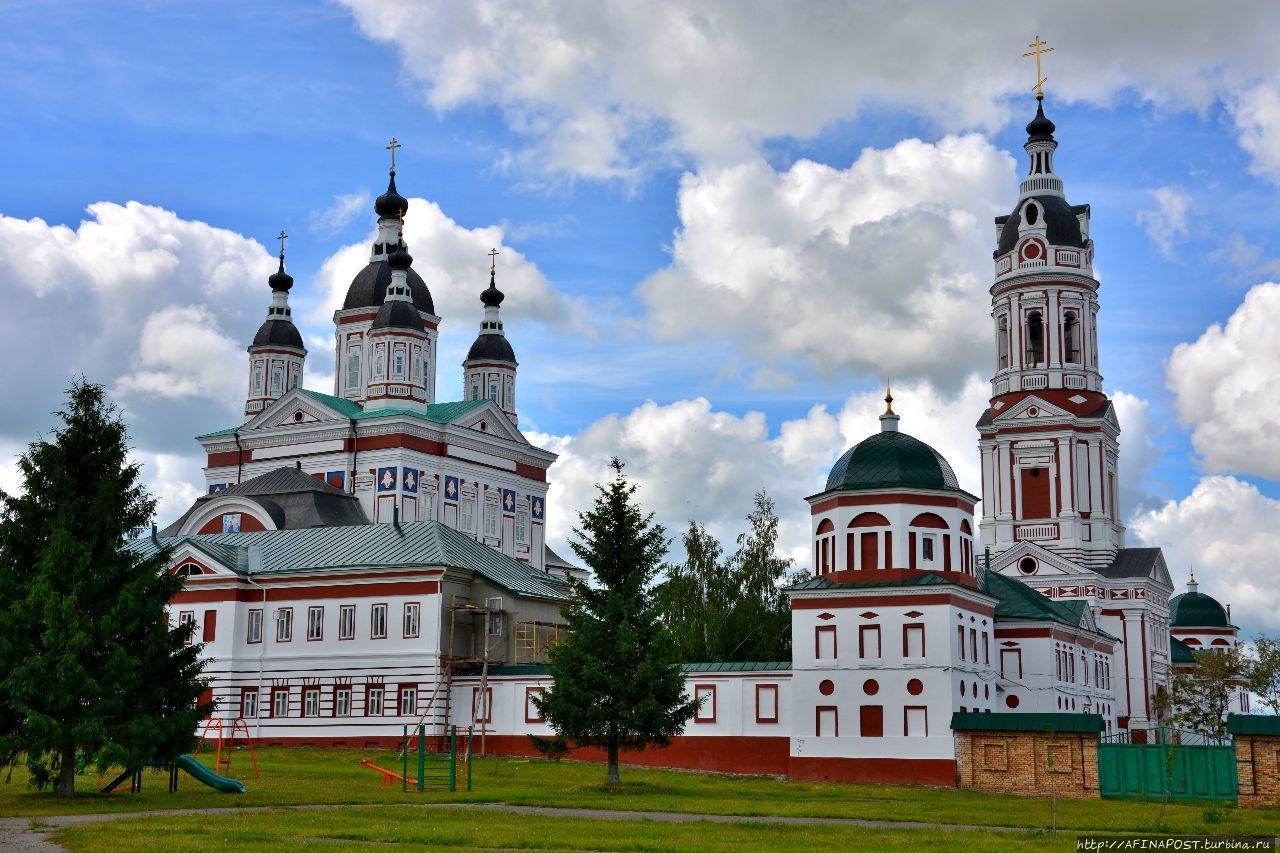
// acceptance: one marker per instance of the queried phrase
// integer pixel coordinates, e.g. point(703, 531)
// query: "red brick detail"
point(864, 499)
point(881, 575)
point(410, 442)
point(297, 593)
point(1258, 769)
point(893, 600)
point(938, 772)
point(225, 458)
point(531, 472)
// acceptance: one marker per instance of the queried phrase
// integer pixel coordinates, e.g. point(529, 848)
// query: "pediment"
point(197, 562)
point(293, 408)
point(491, 420)
point(1032, 409)
point(1048, 564)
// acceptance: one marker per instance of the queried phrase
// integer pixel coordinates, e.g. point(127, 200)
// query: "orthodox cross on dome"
point(493, 260)
point(283, 236)
point(399, 213)
point(1038, 49)
point(392, 148)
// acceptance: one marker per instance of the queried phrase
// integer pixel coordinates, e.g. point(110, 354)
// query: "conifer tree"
point(617, 679)
point(89, 666)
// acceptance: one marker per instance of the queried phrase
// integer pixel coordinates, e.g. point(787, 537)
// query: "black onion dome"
point(400, 259)
point(492, 348)
point(398, 314)
point(280, 280)
point(1061, 222)
point(369, 288)
point(281, 333)
point(391, 205)
point(1040, 126)
point(491, 296)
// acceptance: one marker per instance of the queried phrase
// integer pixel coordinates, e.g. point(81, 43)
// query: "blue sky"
point(560, 126)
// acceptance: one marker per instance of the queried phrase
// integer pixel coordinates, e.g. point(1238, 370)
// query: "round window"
point(871, 687)
point(1031, 251)
point(915, 687)
point(827, 687)
point(1027, 565)
point(1011, 701)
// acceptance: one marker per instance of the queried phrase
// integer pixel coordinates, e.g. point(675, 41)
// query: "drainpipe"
point(239, 457)
point(355, 453)
point(255, 563)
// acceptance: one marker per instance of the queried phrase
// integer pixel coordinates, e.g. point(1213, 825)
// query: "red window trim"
point(529, 706)
point(271, 712)
point(488, 705)
point(908, 708)
point(245, 691)
point(759, 689)
point(700, 717)
point(817, 642)
point(865, 631)
point(291, 626)
point(924, 650)
point(338, 688)
point(305, 691)
point(417, 695)
point(262, 625)
point(342, 607)
point(404, 613)
point(960, 632)
point(319, 607)
point(385, 609)
point(817, 720)
point(369, 688)
point(1017, 652)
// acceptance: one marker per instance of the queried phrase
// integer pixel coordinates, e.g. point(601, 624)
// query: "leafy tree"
point(1198, 699)
point(88, 661)
point(1263, 672)
point(692, 598)
point(617, 680)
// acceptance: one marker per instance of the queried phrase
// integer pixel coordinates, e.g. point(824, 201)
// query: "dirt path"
point(30, 834)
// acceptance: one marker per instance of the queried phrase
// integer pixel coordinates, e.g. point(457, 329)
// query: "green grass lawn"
point(319, 776)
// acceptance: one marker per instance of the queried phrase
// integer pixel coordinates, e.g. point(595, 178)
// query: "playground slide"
point(203, 774)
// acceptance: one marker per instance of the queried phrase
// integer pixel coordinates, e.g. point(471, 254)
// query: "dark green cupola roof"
point(1194, 609)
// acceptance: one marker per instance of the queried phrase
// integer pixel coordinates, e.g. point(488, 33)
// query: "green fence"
point(1171, 763)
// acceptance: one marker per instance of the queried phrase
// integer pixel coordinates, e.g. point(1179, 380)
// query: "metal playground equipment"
point(441, 761)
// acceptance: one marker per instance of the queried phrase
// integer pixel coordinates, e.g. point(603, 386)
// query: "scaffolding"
point(533, 638)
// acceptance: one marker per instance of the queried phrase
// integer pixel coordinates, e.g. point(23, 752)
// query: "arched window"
point(1002, 341)
point(1035, 340)
point(869, 543)
point(353, 369)
point(187, 570)
point(824, 547)
point(1071, 336)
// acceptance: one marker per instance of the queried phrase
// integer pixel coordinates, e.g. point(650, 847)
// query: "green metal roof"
point(739, 666)
point(1253, 724)
point(515, 669)
point(438, 413)
point(1180, 652)
point(924, 579)
point(1004, 721)
point(891, 459)
point(423, 543)
point(1017, 601)
point(1197, 610)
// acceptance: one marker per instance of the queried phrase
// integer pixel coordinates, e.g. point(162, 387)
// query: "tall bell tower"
point(1049, 437)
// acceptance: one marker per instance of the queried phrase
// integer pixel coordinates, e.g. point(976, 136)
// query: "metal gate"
point(1172, 763)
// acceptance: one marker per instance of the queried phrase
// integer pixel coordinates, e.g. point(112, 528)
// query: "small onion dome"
point(491, 296)
point(391, 205)
point(398, 314)
point(400, 259)
point(492, 348)
point(1040, 126)
point(1197, 610)
point(280, 280)
point(278, 333)
point(888, 460)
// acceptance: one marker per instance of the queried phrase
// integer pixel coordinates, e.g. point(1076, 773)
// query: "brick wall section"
point(1032, 763)
point(1258, 768)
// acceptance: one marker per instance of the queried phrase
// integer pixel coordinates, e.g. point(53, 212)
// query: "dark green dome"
point(1197, 610)
point(889, 460)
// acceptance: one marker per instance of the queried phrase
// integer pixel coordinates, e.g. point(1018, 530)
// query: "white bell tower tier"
point(277, 355)
point(489, 371)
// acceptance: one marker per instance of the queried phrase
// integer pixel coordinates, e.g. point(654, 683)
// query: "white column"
point(1051, 325)
point(1065, 472)
point(989, 497)
point(1005, 472)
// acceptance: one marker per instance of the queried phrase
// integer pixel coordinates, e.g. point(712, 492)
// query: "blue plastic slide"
point(203, 774)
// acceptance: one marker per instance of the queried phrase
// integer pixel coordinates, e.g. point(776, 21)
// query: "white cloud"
point(1256, 112)
point(340, 213)
point(878, 269)
point(692, 461)
point(606, 89)
point(183, 353)
point(454, 262)
point(1226, 529)
point(1138, 453)
point(1227, 388)
point(1166, 224)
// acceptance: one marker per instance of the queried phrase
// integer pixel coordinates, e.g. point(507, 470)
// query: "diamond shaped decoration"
point(914, 614)
point(867, 615)
point(1077, 399)
point(826, 616)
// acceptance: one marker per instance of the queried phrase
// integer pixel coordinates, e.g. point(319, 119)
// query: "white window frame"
point(491, 519)
point(353, 368)
point(378, 622)
point(467, 514)
point(411, 624)
point(284, 625)
point(253, 627)
point(346, 622)
point(315, 623)
point(522, 524)
point(376, 701)
point(311, 701)
point(408, 701)
point(398, 361)
point(379, 361)
point(280, 703)
point(342, 702)
point(249, 704)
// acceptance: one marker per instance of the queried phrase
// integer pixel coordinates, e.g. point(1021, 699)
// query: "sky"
point(721, 226)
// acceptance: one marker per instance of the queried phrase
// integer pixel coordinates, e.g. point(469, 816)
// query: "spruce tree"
point(90, 668)
point(617, 679)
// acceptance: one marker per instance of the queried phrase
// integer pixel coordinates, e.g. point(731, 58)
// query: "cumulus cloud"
point(1226, 529)
point(454, 262)
point(691, 460)
point(879, 269)
point(1166, 223)
point(1227, 389)
point(182, 354)
point(607, 89)
point(340, 213)
point(1256, 112)
point(1138, 453)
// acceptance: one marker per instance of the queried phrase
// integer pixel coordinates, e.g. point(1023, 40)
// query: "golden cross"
point(392, 148)
point(400, 213)
point(283, 236)
point(1038, 49)
point(493, 260)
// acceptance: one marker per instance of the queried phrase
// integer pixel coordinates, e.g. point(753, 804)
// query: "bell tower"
point(1049, 436)
point(277, 355)
point(489, 371)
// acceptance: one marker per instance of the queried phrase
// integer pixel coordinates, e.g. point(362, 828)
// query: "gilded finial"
point(888, 398)
point(392, 148)
point(1038, 49)
point(400, 216)
point(283, 236)
point(493, 261)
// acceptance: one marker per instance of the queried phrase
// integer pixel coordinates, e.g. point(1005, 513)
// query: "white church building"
point(376, 558)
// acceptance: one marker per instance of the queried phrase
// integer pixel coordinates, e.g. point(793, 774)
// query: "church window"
point(1033, 210)
point(428, 506)
point(277, 378)
point(1035, 340)
point(1002, 341)
point(284, 625)
point(409, 701)
point(973, 643)
point(475, 387)
point(249, 704)
point(373, 702)
point(913, 641)
point(1071, 336)
point(187, 617)
point(257, 376)
point(378, 622)
point(705, 694)
point(869, 642)
point(379, 361)
point(397, 363)
point(509, 395)
point(280, 702)
point(491, 519)
point(986, 647)
point(824, 642)
point(347, 622)
point(353, 369)
point(522, 525)
point(926, 549)
point(293, 377)
point(315, 623)
point(342, 702)
point(493, 391)
point(311, 702)
point(1027, 565)
point(960, 639)
point(254, 627)
point(411, 611)
point(467, 514)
